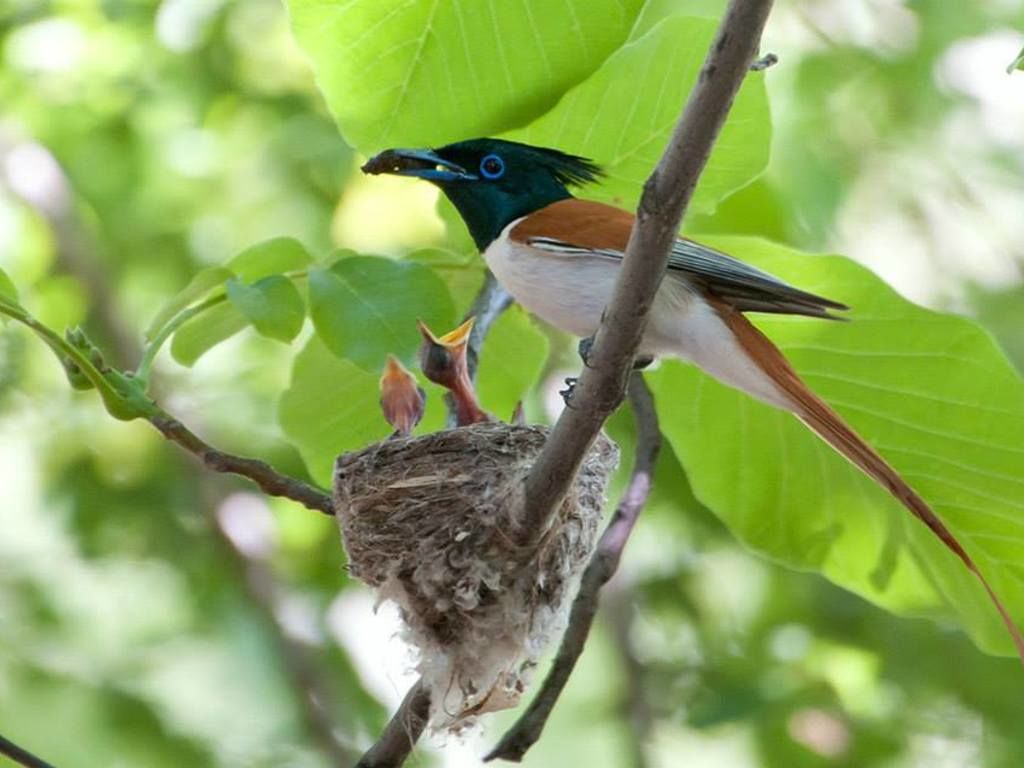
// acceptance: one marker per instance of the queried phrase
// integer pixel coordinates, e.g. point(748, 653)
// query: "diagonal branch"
point(268, 479)
point(21, 756)
point(402, 732)
point(255, 576)
point(527, 729)
point(666, 194)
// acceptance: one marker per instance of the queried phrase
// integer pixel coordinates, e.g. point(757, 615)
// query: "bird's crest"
point(565, 168)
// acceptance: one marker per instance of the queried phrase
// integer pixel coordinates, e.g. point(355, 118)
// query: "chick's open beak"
point(451, 340)
point(443, 360)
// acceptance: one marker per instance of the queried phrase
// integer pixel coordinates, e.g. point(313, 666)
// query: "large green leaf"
point(365, 308)
point(333, 405)
point(511, 360)
point(655, 11)
point(623, 114)
point(933, 393)
point(463, 273)
point(396, 72)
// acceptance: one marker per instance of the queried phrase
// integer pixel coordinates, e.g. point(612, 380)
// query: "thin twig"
point(21, 756)
point(619, 610)
point(766, 61)
point(402, 732)
point(490, 302)
point(527, 729)
point(666, 194)
point(268, 479)
point(255, 575)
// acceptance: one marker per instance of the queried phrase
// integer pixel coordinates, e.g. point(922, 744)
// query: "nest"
point(433, 523)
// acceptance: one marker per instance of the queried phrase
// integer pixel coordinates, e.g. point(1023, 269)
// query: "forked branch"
point(527, 729)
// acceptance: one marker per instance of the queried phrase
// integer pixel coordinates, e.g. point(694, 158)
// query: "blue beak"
point(420, 163)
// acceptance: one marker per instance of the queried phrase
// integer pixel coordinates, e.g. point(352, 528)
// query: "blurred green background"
point(154, 614)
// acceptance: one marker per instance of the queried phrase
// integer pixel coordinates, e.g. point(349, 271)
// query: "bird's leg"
point(584, 348)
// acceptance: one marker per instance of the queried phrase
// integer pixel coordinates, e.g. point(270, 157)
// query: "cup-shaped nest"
point(435, 524)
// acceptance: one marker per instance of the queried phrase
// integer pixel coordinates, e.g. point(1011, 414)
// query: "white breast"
point(567, 291)
point(571, 290)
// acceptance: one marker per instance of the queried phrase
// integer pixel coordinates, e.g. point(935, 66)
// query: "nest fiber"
point(434, 523)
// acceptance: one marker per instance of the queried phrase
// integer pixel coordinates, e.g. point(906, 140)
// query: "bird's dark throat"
point(488, 208)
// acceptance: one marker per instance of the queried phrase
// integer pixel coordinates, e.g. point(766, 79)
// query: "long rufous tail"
point(829, 425)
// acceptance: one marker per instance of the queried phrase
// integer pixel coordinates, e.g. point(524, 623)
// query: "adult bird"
point(559, 257)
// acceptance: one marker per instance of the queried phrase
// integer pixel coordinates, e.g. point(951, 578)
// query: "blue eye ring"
point(492, 167)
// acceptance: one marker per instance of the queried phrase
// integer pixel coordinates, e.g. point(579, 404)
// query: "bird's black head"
point(492, 182)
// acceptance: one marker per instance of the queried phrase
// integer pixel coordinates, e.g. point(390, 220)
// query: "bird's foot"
point(570, 389)
point(584, 348)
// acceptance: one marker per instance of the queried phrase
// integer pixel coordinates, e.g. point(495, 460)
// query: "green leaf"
point(280, 254)
point(1017, 63)
point(222, 321)
point(623, 114)
point(365, 307)
point(205, 331)
point(424, 73)
point(655, 11)
point(333, 405)
point(8, 291)
point(511, 360)
point(933, 393)
point(463, 273)
point(199, 286)
point(272, 304)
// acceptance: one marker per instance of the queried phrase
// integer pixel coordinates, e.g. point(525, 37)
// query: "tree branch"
point(619, 610)
point(256, 578)
point(527, 729)
point(21, 756)
point(402, 732)
point(666, 194)
point(268, 479)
